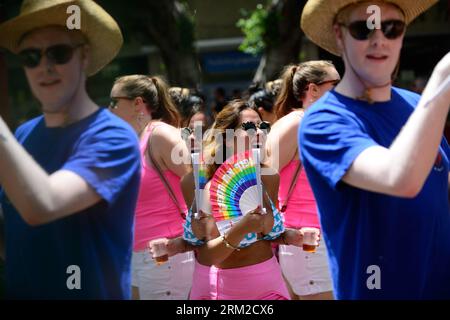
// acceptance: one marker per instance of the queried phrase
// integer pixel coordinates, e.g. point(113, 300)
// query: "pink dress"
point(301, 208)
point(157, 216)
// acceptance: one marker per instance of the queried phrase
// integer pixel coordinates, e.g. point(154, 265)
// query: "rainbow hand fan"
point(202, 177)
point(199, 180)
point(234, 188)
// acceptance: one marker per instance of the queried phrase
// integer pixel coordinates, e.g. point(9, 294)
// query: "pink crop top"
point(157, 216)
point(301, 208)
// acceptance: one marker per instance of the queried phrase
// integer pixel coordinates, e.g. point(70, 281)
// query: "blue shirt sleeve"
point(330, 141)
point(106, 161)
point(446, 148)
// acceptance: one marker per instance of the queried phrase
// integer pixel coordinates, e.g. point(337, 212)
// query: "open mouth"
point(47, 84)
point(378, 58)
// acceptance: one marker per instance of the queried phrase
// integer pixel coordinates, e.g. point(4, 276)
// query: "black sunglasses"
point(333, 82)
point(187, 131)
point(249, 125)
point(57, 54)
point(115, 101)
point(392, 29)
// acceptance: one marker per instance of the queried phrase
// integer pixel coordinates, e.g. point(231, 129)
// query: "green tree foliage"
point(253, 25)
point(259, 28)
point(273, 31)
point(186, 22)
point(167, 24)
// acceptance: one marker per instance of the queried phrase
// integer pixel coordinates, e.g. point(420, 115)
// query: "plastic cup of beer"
point(159, 251)
point(310, 239)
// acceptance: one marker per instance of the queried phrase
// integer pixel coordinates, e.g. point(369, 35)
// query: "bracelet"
point(228, 245)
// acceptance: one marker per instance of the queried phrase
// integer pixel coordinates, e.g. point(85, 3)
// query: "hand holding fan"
point(234, 188)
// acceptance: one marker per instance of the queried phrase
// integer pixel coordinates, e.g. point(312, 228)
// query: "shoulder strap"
point(162, 177)
point(292, 186)
point(294, 177)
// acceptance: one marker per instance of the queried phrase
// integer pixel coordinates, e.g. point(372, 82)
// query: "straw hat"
point(318, 18)
point(100, 29)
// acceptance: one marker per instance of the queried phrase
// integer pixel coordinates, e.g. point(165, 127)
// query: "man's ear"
point(85, 56)
point(339, 36)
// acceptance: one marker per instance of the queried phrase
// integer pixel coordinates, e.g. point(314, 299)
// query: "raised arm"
point(401, 169)
point(38, 196)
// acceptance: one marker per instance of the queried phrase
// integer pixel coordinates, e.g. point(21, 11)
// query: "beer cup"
point(310, 239)
point(159, 251)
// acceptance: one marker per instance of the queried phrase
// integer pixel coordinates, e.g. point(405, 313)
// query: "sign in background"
point(229, 61)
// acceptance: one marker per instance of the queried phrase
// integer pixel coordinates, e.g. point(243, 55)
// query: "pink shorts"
point(262, 281)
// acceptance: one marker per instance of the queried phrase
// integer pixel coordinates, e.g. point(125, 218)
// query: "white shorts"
point(307, 273)
point(169, 281)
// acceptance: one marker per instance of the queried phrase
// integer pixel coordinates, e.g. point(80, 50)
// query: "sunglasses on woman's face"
point(115, 100)
point(333, 82)
point(57, 54)
point(392, 29)
point(187, 131)
point(250, 125)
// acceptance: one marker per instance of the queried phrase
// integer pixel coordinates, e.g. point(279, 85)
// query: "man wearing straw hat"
point(70, 177)
point(376, 159)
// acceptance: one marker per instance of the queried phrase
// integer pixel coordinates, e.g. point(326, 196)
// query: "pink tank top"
point(301, 208)
point(157, 216)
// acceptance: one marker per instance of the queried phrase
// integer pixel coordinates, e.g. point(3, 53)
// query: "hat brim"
point(103, 34)
point(318, 18)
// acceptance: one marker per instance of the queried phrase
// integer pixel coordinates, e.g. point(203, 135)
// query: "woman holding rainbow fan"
point(232, 259)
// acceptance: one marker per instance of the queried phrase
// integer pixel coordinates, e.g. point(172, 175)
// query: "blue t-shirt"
point(43, 262)
point(379, 246)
